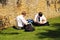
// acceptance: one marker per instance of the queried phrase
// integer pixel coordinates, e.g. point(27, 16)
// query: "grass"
point(51, 32)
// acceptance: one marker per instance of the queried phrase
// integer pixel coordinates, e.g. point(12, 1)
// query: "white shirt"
point(41, 18)
point(20, 21)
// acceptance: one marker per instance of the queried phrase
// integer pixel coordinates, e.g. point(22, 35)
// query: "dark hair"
point(40, 14)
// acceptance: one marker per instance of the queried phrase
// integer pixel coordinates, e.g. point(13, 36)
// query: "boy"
point(40, 20)
point(21, 21)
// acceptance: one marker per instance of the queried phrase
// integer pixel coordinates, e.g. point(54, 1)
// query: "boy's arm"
point(24, 21)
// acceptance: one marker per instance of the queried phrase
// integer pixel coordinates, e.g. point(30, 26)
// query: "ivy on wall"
point(3, 2)
point(55, 3)
point(18, 3)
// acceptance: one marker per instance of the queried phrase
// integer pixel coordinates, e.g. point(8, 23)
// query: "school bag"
point(29, 28)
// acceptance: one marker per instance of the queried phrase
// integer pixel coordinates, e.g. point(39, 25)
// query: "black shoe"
point(14, 27)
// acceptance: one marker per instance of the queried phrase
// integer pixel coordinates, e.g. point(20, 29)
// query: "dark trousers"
point(38, 24)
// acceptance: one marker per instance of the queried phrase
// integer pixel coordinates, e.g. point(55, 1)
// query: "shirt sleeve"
point(23, 20)
point(35, 18)
point(43, 18)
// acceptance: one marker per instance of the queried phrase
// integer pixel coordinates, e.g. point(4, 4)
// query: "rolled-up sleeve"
point(43, 18)
point(35, 19)
point(23, 20)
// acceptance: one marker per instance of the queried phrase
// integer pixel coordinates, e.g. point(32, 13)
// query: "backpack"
point(29, 28)
point(30, 21)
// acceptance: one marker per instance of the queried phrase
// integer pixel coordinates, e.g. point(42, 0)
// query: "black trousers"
point(38, 24)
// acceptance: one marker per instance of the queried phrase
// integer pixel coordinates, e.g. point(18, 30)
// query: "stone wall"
point(13, 8)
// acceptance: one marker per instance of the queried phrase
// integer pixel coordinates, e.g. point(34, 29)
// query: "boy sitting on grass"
point(40, 20)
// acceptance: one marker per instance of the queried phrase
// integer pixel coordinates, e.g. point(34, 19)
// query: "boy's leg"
point(24, 26)
point(46, 24)
point(36, 24)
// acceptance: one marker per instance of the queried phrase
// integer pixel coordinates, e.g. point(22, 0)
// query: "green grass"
point(51, 32)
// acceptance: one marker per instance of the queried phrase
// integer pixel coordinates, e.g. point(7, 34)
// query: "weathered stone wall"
point(13, 8)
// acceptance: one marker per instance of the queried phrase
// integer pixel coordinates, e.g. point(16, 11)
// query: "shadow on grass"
point(57, 25)
point(51, 33)
point(9, 33)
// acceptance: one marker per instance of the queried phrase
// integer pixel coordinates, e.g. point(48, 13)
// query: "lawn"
point(51, 32)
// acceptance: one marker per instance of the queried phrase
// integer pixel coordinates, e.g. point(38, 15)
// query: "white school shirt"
point(41, 18)
point(20, 21)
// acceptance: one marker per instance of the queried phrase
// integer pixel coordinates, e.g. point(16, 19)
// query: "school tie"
point(39, 19)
